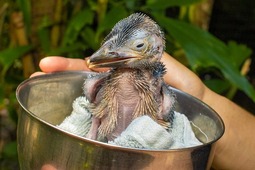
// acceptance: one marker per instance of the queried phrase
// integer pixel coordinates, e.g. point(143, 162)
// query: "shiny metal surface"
point(46, 100)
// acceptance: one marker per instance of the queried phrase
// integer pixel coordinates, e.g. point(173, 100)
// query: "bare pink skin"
point(122, 96)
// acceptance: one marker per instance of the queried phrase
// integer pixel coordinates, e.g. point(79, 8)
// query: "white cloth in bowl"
point(143, 132)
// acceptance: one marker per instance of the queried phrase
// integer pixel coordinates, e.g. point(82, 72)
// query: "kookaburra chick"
point(134, 86)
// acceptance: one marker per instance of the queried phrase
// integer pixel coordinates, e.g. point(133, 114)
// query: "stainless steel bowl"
point(46, 100)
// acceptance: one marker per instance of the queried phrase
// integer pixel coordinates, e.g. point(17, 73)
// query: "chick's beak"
point(111, 58)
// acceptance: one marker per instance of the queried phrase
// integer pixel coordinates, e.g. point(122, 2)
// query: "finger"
point(37, 74)
point(181, 77)
point(48, 167)
point(54, 63)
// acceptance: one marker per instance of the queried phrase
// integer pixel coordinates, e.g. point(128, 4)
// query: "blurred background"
point(213, 38)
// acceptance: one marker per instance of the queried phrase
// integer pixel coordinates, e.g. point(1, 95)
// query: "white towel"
point(79, 121)
point(143, 132)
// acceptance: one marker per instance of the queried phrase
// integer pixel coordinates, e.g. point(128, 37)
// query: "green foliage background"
point(75, 28)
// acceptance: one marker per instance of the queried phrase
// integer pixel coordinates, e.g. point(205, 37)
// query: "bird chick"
point(134, 86)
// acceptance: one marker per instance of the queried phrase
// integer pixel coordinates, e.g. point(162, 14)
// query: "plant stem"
point(21, 38)
point(55, 32)
point(2, 16)
point(244, 70)
point(101, 9)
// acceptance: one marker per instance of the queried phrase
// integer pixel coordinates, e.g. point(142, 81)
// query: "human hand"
point(177, 74)
point(182, 78)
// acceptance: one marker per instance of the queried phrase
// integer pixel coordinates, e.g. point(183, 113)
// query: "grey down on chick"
point(134, 86)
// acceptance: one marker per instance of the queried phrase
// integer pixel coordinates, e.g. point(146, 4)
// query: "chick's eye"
point(140, 45)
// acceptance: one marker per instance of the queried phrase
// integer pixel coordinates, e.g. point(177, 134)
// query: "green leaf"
point(67, 49)
point(163, 4)
point(44, 34)
point(238, 53)
point(111, 18)
point(88, 34)
point(44, 37)
point(2, 95)
point(10, 150)
point(217, 85)
point(25, 7)
point(9, 55)
point(76, 24)
point(131, 4)
point(203, 49)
